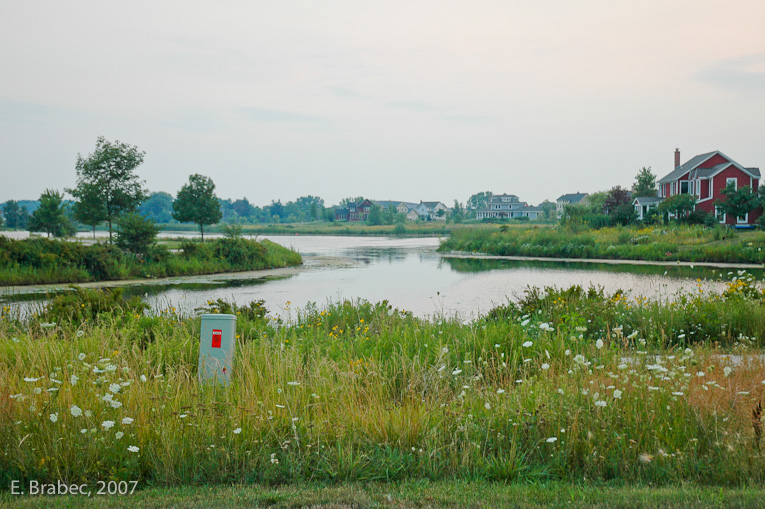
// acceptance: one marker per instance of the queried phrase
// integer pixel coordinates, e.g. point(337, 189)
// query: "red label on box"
point(216, 337)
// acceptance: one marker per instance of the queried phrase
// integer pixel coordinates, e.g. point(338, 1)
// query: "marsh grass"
point(39, 261)
point(653, 243)
point(356, 391)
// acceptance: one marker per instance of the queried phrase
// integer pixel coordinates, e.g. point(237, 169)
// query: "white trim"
point(745, 221)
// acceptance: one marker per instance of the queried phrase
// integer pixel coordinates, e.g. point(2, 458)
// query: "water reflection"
point(412, 276)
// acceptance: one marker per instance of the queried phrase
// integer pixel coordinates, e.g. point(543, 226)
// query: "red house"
point(705, 176)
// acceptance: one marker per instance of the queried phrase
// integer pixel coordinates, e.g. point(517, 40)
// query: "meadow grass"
point(567, 385)
point(653, 243)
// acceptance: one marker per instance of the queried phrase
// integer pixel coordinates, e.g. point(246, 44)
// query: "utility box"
point(216, 347)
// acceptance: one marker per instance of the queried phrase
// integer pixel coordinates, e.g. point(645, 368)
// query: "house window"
point(719, 215)
point(743, 219)
point(730, 181)
point(684, 187)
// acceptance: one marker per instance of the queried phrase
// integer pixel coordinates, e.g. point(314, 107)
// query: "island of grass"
point(43, 261)
point(566, 385)
point(689, 243)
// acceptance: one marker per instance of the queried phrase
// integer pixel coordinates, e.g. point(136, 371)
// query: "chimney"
point(677, 157)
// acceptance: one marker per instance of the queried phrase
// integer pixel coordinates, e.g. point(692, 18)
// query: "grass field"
point(415, 494)
point(566, 385)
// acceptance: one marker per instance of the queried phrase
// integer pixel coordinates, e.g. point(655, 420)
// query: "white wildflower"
point(143, 378)
point(545, 366)
point(727, 370)
point(54, 417)
point(127, 420)
point(617, 394)
point(133, 448)
point(119, 435)
point(552, 440)
point(237, 431)
point(75, 411)
point(527, 344)
point(115, 388)
point(107, 424)
point(599, 344)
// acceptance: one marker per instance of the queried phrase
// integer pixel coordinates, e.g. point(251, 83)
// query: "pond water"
point(411, 275)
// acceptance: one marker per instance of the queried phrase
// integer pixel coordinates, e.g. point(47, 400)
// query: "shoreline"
point(309, 263)
point(609, 261)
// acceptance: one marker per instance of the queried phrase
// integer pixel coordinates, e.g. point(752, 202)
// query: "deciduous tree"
point(738, 202)
point(50, 216)
point(110, 170)
point(645, 183)
point(196, 203)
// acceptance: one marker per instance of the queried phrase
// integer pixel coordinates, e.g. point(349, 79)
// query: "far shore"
point(611, 261)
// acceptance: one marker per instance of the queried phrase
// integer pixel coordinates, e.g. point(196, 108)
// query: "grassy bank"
point(39, 261)
point(655, 243)
point(565, 385)
point(344, 228)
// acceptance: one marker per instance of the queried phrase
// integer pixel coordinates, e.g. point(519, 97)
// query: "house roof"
point(573, 197)
point(646, 200)
point(694, 162)
point(685, 168)
point(431, 204)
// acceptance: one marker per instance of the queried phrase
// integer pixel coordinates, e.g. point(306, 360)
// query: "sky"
point(397, 100)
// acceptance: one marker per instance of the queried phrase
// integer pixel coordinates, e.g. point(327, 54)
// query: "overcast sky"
point(408, 100)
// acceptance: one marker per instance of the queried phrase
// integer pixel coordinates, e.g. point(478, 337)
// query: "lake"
point(410, 274)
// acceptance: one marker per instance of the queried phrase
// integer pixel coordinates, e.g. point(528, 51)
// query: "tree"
point(90, 209)
point(11, 212)
point(679, 205)
point(196, 203)
point(478, 201)
point(50, 217)
point(110, 170)
point(549, 208)
point(158, 207)
point(645, 183)
point(737, 203)
point(616, 197)
point(375, 216)
point(136, 234)
point(458, 213)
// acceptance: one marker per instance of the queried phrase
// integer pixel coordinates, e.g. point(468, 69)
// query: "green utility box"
point(216, 347)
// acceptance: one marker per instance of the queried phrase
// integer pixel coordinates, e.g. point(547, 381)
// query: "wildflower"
point(183, 416)
point(80, 333)
point(143, 378)
point(119, 435)
point(133, 448)
point(73, 380)
point(75, 411)
point(527, 344)
point(84, 430)
point(567, 352)
point(579, 359)
point(81, 356)
point(545, 366)
point(273, 459)
point(727, 370)
point(617, 394)
point(54, 417)
point(115, 388)
point(645, 458)
point(678, 393)
point(599, 344)
point(487, 405)
point(500, 391)
point(601, 403)
point(525, 322)
point(31, 380)
point(37, 390)
point(456, 372)
point(444, 350)
point(293, 383)
point(127, 420)
point(237, 431)
point(280, 406)
point(107, 424)
point(107, 397)
point(581, 329)
point(552, 440)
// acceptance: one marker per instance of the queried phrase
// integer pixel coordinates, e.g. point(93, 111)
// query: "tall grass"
point(38, 261)
point(667, 243)
point(361, 391)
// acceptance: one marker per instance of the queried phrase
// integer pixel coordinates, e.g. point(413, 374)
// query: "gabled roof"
point(693, 166)
point(573, 197)
point(646, 200)
point(431, 204)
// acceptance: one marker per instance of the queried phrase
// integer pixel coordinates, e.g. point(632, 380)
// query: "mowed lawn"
point(413, 494)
